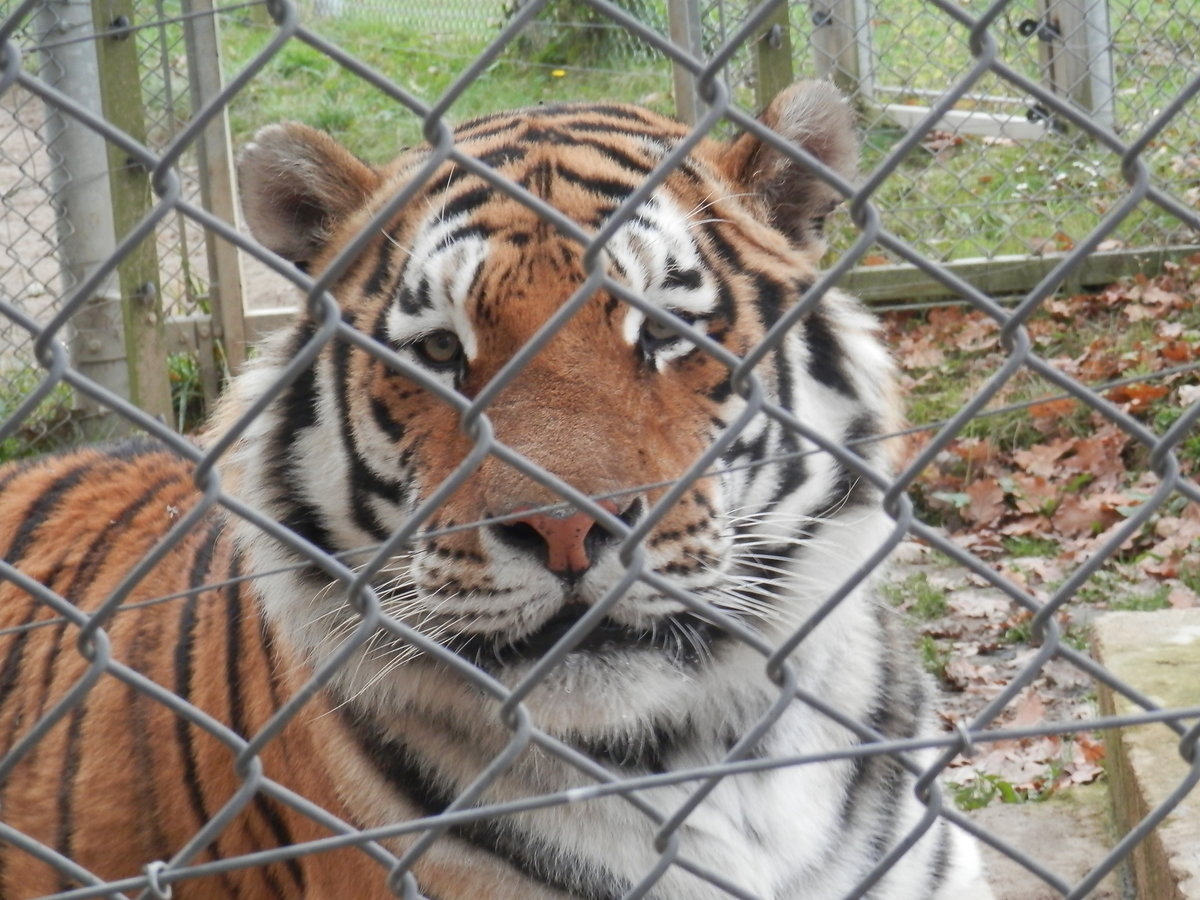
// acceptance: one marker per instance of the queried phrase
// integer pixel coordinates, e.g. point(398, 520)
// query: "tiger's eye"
point(658, 331)
point(440, 348)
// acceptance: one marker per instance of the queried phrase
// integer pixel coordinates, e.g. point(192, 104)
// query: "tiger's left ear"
point(812, 115)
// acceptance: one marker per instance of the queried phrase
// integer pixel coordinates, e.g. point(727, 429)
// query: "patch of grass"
point(918, 597)
point(1018, 631)
point(935, 656)
point(1189, 576)
point(302, 84)
point(1157, 599)
point(985, 788)
point(1187, 450)
point(1078, 637)
point(981, 198)
point(187, 391)
point(1110, 590)
point(1030, 545)
point(49, 427)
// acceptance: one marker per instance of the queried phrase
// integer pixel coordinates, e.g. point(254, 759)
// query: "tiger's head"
point(462, 264)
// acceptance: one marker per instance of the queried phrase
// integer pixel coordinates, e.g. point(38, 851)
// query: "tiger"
point(502, 609)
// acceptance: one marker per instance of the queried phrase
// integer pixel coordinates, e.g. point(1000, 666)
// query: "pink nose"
point(566, 537)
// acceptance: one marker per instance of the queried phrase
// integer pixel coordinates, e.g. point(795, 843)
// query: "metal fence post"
point(217, 188)
point(841, 44)
point(83, 206)
point(683, 17)
point(1075, 49)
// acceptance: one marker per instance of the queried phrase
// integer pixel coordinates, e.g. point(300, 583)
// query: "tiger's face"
point(489, 323)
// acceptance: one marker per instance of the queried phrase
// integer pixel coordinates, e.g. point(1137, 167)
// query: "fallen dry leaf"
point(1183, 597)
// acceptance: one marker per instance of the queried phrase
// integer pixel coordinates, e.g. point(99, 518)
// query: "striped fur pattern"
point(618, 405)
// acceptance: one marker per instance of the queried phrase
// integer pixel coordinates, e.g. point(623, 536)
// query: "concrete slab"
point(1158, 654)
point(1069, 834)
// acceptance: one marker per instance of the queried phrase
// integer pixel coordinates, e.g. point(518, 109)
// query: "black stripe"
point(604, 187)
point(617, 155)
point(198, 576)
point(721, 247)
point(11, 671)
point(378, 278)
point(939, 866)
point(465, 202)
point(66, 791)
point(393, 428)
point(770, 299)
point(826, 361)
point(234, 612)
point(12, 470)
point(183, 683)
point(474, 130)
point(305, 521)
point(362, 481)
point(410, 776)
point(233, 648)
point(84, 575)
point(274, 665)
point(726, 307)
point(44, 507)
point(792, 473)
point(297, 411)
point(143, 754)
point(97, 551)
point(461, 234)
point(412, 302)
point(586, 111)
point(676, 277)
point(634, 755)
point(502, 156)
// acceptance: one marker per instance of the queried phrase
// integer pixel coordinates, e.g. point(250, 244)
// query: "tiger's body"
point(618, 406)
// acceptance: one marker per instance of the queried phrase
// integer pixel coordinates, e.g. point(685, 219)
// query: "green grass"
point(917, 596)
point(977, 199)
point(935, 655)
point(1028, 545)
point(187, 391)
point(302, 84)
point(1189, 575)
point(1157, 599)
point(51, 424)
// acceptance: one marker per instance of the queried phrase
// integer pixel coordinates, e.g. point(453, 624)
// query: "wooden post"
point(773, 55)
point(683, 20)
point(841, 44)
point(141, 295)
point(1075, 49)
point(218, 192)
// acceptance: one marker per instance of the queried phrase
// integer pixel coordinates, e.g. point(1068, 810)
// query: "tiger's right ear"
point(296, 184)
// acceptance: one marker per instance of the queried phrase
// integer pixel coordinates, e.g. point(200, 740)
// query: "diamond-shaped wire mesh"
point(224, 709)
point(980, 187)
point(162, 56)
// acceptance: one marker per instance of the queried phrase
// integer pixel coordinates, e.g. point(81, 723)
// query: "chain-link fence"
point(766, 431)
point(1001, 175)
point(1000, 187)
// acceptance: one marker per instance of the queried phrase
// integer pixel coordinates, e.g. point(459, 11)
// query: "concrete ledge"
point(1158, 654)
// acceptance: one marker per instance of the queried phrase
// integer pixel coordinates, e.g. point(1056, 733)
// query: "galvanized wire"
point(983, 67)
